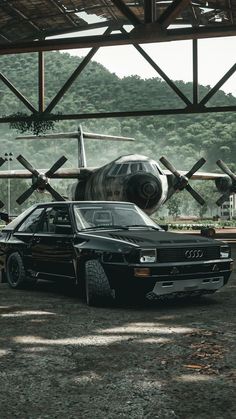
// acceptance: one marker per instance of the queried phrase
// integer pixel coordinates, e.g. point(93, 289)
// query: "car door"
point(22, 238)
point(52, 246)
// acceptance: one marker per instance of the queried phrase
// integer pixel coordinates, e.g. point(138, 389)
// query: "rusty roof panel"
point(30, 20)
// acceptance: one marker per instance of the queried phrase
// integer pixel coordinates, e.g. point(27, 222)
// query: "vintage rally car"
point(110, 250)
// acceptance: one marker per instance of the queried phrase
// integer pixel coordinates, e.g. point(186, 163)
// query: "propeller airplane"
point(131, 177)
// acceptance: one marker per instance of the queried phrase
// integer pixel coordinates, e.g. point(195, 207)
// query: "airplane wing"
point(193, 173)
point(59, 174)
point(199, 175)
point(77, 172)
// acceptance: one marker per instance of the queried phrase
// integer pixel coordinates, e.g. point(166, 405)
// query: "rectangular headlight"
point(148, 255)
point(225, 252)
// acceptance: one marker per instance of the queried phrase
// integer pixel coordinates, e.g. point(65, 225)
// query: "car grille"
point(179, 254)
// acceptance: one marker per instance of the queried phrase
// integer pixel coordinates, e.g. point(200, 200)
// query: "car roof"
point(83, 202)
point(14, 223)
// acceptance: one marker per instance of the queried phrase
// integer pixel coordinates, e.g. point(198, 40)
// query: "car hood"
point(143, 237)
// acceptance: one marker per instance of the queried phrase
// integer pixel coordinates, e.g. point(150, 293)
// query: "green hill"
point(183, 139)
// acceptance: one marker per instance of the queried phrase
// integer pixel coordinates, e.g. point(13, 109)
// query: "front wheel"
point(97, 287)
point(15, 271)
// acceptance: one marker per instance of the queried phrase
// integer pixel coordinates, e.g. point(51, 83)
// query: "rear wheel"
point(15, 271)
point(97, 287)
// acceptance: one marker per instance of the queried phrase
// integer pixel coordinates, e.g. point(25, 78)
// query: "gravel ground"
point(62, 359)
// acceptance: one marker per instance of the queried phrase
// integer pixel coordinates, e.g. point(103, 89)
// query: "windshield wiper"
point(110, 227)
point(144, 226)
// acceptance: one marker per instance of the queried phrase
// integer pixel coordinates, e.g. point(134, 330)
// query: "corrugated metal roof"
point(28, 20)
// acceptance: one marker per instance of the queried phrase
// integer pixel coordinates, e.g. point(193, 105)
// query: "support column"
point(41, 81)
point(195, 72)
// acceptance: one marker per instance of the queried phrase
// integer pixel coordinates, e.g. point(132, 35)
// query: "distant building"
point(227, 210)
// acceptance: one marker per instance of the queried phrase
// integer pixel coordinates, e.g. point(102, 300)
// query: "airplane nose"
point(144, 189)
point(148, 189)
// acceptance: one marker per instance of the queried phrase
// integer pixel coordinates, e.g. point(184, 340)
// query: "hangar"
point(44, 25)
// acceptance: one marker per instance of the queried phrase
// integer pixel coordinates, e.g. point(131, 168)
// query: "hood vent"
point(129, 239)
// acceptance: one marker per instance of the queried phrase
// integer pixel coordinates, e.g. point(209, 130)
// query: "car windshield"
point(110, 215)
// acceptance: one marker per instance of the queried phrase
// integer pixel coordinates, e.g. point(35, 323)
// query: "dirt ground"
point(62, 359)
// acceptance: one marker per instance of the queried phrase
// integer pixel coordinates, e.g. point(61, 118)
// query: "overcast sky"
point(216, 57)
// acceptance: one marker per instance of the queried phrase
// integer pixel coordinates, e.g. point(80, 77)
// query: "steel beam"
point(100, 115)
point(17, 93)
point(143, 34)
point(72, 78)
point(126, 11)
point(161, 73)
point(218, 85)
point(41, 80)
point(171, 12)
point(149, 11)
point(195, 72)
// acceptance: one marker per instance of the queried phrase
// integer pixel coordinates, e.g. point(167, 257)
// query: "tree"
point(174, 205)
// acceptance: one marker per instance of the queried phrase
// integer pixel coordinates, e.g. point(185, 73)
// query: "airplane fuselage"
point(133, 178)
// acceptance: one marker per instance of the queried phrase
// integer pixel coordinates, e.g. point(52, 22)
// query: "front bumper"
point(188, 286)
point(171, 278)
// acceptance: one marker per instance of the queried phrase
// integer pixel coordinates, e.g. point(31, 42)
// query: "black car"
point(110, 250)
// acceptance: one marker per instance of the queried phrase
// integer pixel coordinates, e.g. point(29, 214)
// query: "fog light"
point(141, 272)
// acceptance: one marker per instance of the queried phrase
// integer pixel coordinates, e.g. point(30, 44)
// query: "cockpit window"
point(124, 169)
point(147, 167)
point(158, 169)
point(119, 170)
point(134, 167)
point(114, 170)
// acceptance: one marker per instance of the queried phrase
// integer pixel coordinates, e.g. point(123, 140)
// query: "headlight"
point(148, 255)
point(224, 252)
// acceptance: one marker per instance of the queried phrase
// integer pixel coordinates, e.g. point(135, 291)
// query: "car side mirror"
point(63, 229)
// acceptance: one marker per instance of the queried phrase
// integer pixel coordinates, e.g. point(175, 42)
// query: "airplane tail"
point(80, 135)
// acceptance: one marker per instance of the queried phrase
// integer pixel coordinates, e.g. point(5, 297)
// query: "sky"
point(216, 57)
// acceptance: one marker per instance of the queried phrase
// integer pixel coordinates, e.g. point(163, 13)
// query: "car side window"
point(31, 222)
point(54, 219)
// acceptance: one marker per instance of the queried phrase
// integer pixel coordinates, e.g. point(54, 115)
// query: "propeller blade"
point(56, 166)
point(195, 167)
point(27, 165)
point(26, 194)
point(222, 199)
point(195, 195)
point(226, 169)
point(54, 193)
point(169, 166)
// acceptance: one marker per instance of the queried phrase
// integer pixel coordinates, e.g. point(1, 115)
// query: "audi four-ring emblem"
point(194, 254)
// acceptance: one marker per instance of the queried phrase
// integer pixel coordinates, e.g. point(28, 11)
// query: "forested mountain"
point(183, 139)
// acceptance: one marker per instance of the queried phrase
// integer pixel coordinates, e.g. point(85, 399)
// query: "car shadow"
point(70, 290)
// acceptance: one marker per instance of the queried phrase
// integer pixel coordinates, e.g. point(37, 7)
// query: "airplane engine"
point(144, 189)
point(225, 184)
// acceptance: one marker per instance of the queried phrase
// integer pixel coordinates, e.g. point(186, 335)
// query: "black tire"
point(15, 271)
point(97, 287)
